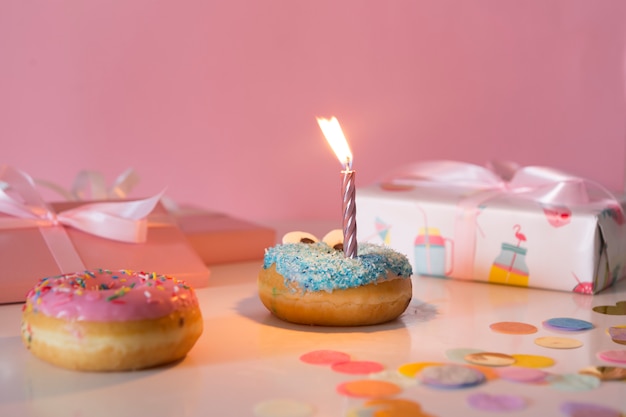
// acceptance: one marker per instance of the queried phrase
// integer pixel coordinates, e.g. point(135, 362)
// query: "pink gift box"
point(29, 253)
point(220, 238)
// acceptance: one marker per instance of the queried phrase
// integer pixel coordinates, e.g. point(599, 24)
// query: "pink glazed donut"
point(105, 320)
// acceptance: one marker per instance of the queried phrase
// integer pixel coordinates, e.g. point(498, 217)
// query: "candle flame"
point(337, 141)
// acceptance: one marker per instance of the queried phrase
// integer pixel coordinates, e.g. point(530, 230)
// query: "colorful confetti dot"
point(605, 373)
point(618, 334)
point(368, 388)
point(451, 376)
point(395, 377)
point(619, 309)
point(459, 354)
point(520, 374)
point(389, 408)
point(412, 369)
point(618, 356)
point(554, 342)
point(490, 359)
point(513, 327)
point(494, 402)
point(357, 367)
point(324, 357)
point(567, 324)
point(533, 361)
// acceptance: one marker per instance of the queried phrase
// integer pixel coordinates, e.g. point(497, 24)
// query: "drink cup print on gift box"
point(433, 253)
point(510, 265)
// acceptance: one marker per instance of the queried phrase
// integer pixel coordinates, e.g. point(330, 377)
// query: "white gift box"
point(542, 229)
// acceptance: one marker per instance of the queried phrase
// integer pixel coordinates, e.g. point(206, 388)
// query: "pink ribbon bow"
point(123, 221)
point(541, 184)
point(117, 220)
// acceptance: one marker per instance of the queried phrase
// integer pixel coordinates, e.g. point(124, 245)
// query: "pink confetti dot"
point(357, 367)
point(324, 357)
point(519, 374)
point(613, 355)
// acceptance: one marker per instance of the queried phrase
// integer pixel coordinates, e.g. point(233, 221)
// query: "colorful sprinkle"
point(319, 267)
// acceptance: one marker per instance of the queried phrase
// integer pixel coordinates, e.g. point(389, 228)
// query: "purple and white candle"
point(334, 135)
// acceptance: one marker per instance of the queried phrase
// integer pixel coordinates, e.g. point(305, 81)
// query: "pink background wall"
point(217, 100)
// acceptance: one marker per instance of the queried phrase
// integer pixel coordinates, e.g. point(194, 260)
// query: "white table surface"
point(246, 356)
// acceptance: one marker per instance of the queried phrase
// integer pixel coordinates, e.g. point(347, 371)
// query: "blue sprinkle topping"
point(317, 266)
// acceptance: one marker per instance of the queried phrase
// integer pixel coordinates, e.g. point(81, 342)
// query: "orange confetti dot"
point(391, 408)
point(513, 327)
point(367, 388)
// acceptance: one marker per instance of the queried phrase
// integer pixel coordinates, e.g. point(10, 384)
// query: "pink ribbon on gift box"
point(544, 185)
point(117, 220)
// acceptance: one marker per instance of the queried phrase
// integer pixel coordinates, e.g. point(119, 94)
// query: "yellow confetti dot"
point(412, 369)
point(555, 342)
point(533, 361)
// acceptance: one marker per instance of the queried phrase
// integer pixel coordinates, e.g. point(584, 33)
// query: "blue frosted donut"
point(314, 283)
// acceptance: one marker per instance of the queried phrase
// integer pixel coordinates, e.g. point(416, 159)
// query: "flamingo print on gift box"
point(433, 252)
point(510, 265)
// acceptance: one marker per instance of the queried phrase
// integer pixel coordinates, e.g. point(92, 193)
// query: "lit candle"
point(334, 135)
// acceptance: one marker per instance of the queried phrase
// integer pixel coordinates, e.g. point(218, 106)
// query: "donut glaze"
point(319, 267)
point(103, 295)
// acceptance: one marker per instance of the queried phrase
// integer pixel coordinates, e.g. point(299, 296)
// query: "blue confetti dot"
point(568, 324)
